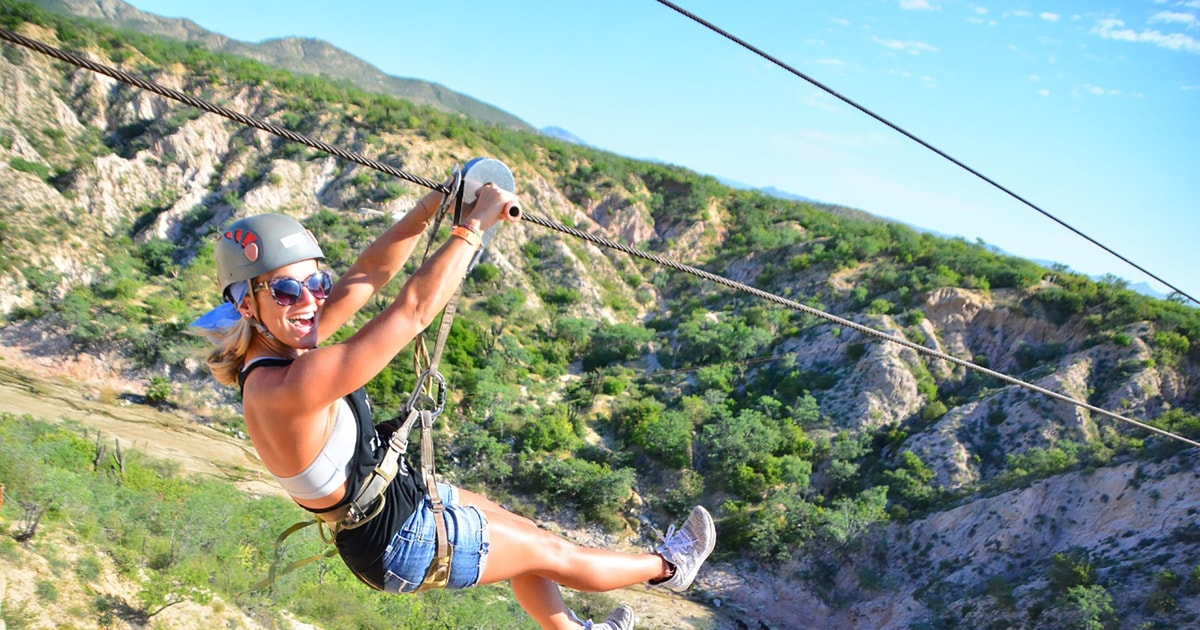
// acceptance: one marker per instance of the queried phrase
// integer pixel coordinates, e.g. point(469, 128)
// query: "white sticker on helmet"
point(293, 239)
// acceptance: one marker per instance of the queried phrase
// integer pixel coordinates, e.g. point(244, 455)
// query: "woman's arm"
point(330, 372)
point(376, 266)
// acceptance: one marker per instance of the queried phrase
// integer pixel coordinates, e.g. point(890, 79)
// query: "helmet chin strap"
point(262, 329)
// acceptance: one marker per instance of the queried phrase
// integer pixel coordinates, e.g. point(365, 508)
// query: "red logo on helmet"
point(248, 240)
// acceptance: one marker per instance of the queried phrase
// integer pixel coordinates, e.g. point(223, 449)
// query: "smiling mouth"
point(303, 320)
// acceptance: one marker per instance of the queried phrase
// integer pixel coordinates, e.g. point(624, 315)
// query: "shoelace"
point(676, 543)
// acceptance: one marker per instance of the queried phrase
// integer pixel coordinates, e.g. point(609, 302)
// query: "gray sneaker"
point(688, 548)
point(621, 619)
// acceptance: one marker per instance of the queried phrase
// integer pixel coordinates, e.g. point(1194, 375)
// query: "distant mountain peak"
point(564, 135)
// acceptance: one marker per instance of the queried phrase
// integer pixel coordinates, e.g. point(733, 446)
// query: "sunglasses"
point(287, 291)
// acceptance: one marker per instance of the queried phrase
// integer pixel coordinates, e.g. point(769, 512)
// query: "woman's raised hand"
point(491, 205)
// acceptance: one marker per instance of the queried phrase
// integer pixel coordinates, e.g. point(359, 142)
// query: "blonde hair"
point(232, 343)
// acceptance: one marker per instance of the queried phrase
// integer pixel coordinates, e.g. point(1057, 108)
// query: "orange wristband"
point(466, 233)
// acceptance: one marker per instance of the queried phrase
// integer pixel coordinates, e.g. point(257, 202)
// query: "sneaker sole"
point(711, 530)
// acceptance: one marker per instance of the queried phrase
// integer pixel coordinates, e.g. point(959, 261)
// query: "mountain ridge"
point(303, 55)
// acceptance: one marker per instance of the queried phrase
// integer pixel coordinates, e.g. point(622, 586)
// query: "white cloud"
point(917, 5)
point(1033, 78)
point(841, 21)
point(1096, 90)
point(1115, 29)
point(912, 48)
point(1043, 92)
point(1170, 17)
point(981, 17)
point(1050, 17)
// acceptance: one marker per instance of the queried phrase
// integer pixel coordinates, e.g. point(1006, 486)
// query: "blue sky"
point(1090, 110)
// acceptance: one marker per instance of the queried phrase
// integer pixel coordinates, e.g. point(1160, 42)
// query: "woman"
point(308, 421)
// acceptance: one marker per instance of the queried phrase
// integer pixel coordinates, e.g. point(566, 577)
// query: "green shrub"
point(613, 343)
point(159, 389)
point(552, 431)
point(1070, 569)
point(599, 491)
point(1090, 607)
point(933, 411)
point(46, 591)
point(879, 307)
point(43, 172)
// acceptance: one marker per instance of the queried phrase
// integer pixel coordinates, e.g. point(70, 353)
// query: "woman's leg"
point(487, 506)
point(538, 596)
point(542, 600)
point(518, 548)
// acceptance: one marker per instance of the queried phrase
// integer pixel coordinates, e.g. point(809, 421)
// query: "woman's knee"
point(493, 510)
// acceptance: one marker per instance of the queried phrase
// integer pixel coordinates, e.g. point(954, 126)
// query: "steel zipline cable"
point(357, 158)
point(914, 138)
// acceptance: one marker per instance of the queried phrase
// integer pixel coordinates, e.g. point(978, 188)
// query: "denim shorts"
point(413, 547)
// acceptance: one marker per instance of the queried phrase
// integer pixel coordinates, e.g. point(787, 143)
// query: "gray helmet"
point(254, 245)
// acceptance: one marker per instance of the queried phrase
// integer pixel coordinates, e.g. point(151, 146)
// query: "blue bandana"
point(227, 314)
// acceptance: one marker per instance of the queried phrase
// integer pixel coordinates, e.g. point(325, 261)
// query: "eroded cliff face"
point(1109, 515)
point(985, 563)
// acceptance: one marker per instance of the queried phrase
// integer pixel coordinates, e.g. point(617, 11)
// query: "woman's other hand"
point(491, 205)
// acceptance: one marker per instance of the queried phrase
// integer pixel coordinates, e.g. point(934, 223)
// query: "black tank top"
point(362, 548)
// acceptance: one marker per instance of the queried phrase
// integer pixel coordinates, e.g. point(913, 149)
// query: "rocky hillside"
point(858, 483)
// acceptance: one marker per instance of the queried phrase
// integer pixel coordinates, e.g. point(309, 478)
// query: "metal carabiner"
point(419, 397)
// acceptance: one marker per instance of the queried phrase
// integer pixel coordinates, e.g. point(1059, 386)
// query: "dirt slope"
point(39, 387)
